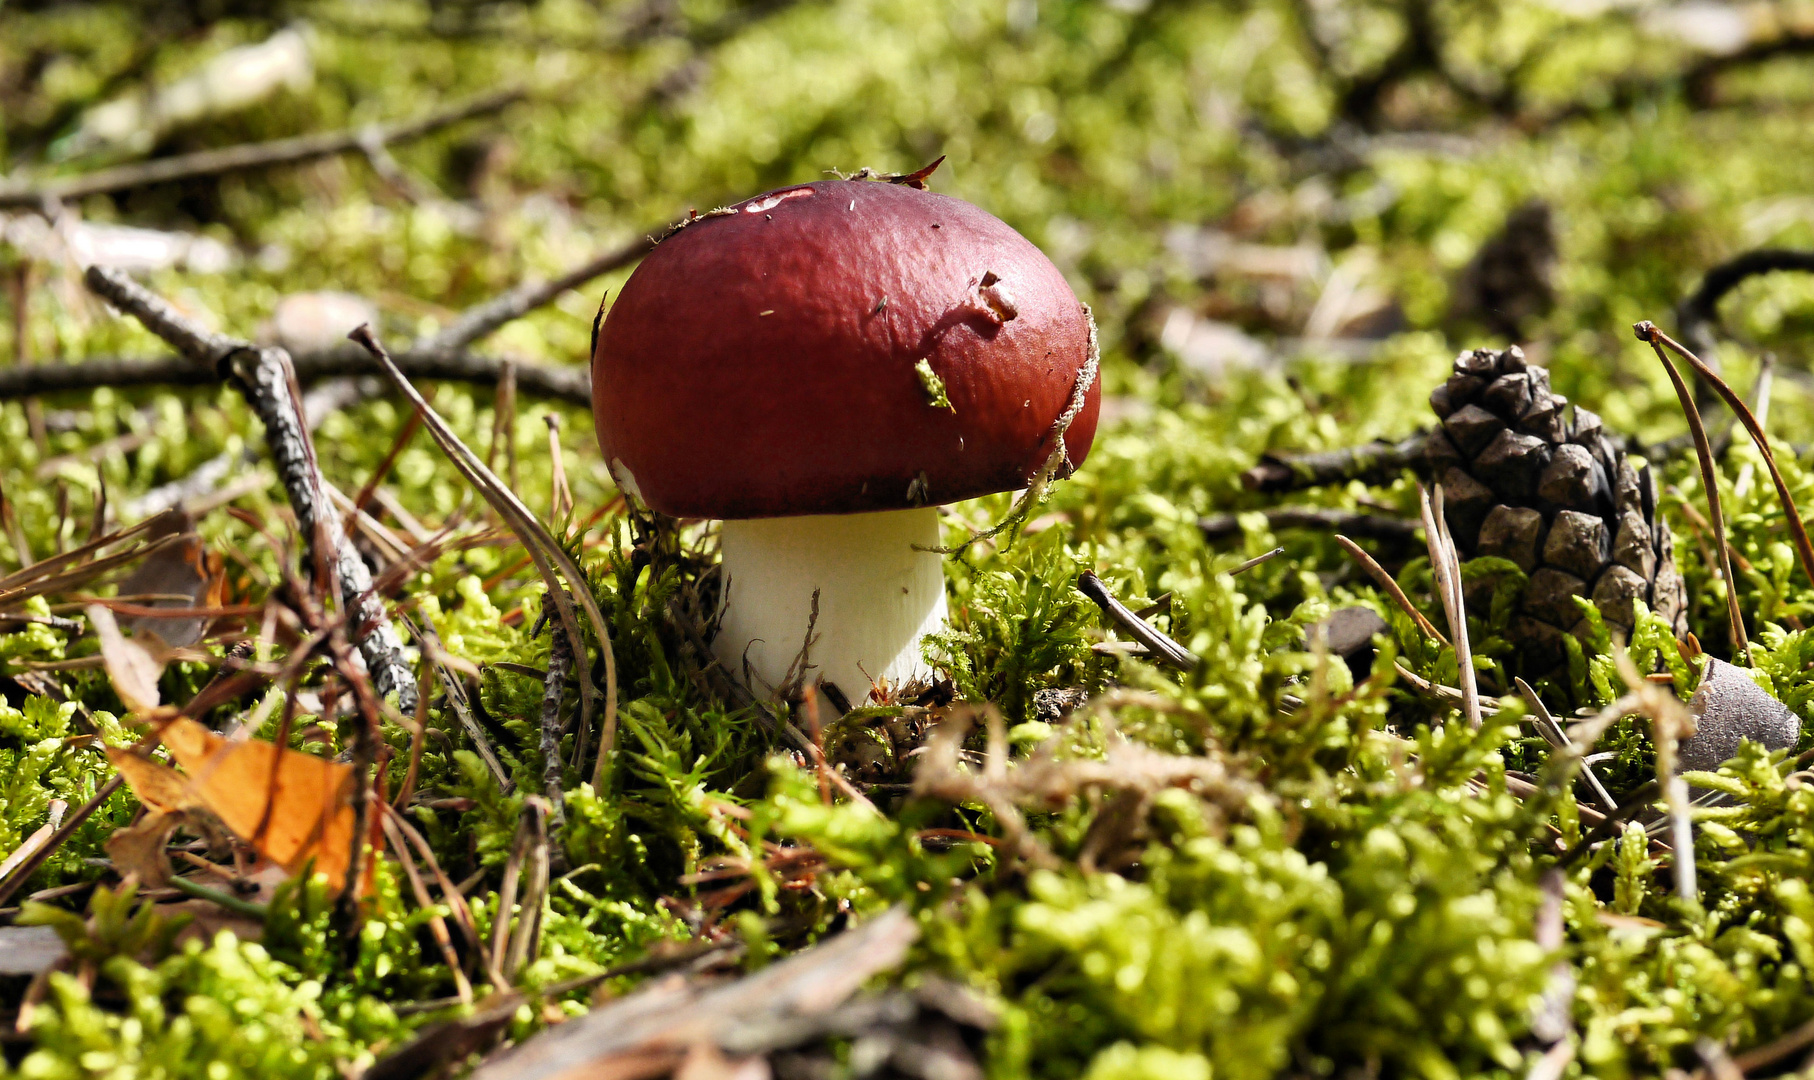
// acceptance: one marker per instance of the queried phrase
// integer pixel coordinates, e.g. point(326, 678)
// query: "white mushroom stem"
point(878, 597)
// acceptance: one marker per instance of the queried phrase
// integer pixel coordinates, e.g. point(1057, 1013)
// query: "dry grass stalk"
point(1129, 773)
point(1385, 581)
point(1672, 723)
point(437, 926)
point(1553, 734)
point(1798, 531)
point(1703, 450)
point(542, 548)
point(1446, 566)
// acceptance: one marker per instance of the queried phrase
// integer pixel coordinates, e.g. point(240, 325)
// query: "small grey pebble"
point(1729, 707)
point(1351, 631)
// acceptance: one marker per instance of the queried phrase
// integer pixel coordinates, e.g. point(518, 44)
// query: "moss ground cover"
point(1268, 865)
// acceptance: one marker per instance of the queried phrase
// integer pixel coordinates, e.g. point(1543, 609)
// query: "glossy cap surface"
point(773, 360)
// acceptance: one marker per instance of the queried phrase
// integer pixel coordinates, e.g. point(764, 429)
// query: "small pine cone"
point(1527, 479)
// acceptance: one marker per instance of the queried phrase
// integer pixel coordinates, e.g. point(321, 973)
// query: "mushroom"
point(820, 367)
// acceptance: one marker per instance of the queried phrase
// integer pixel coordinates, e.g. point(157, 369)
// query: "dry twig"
point(1159, 645)
point(249, 156)
point(571, 385)
point(263, 376)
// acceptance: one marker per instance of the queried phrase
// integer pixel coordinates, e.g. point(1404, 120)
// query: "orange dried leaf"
point(290, 807)
point(159, 787)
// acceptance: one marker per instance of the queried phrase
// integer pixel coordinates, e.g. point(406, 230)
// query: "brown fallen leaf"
point(185, 572)
point(134, 664)
point(139, 848)
point(289, 806)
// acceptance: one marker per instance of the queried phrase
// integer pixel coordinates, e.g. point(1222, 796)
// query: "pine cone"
point(1526, 479)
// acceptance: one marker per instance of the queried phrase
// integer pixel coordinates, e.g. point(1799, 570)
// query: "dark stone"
point(1472, 428)
point(1513, 463)
point(1350, 633)
point(1551, 596)
point(1512, 359)
point(1728, 707)
point(1578, 543)
point(1465, 503)
point(1633, 547)
point(1572, 479)
point(1512, 532)
point(1614, 593)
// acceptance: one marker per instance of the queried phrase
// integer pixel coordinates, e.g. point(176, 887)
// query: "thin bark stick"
point(264, 377)
point(1161, 647)
point(571, 385)
point(1377, 461)
point(1323, 519)
point(479, 321)
point(554, 687)
point(250, 155)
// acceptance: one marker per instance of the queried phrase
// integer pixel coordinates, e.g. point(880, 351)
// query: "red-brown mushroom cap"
point(764, 362)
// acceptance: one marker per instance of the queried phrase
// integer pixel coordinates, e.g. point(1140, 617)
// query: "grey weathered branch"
point(1158, 644)
point(1375, 462)
point(554, 688)
point(264, 376)
point(572, 385)
point(1317, 518)
point(250, 155)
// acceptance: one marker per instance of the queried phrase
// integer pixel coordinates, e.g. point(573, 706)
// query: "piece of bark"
point(664, 1019)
